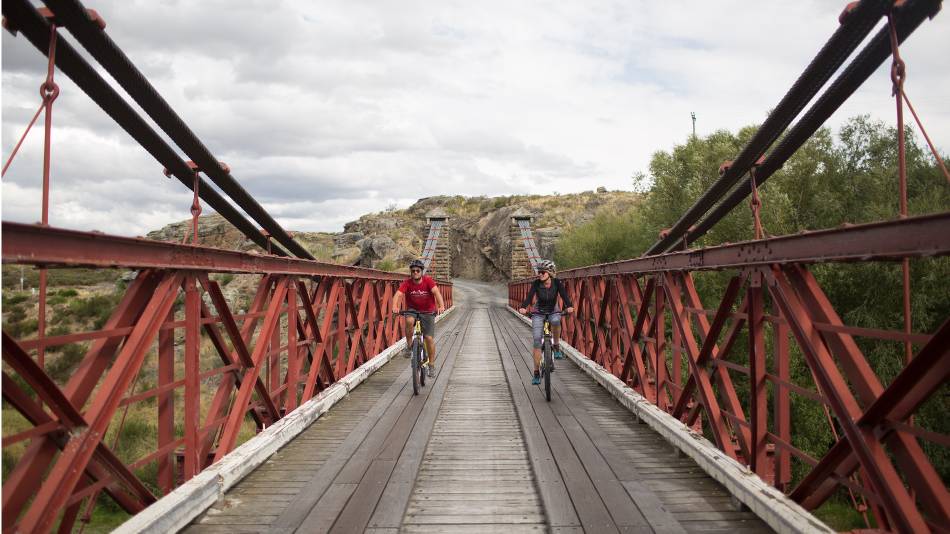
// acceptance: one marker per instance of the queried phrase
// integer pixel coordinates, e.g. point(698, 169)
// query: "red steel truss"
point(308, 324)
point(643, 321)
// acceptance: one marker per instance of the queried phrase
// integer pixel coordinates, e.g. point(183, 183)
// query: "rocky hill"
point(479, 235)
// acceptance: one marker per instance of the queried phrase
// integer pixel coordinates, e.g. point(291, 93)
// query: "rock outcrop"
point(479, 236)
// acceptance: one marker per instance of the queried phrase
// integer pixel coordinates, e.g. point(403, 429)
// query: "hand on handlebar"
point(569, 311)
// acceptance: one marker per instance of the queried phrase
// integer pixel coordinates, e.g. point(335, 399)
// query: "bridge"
point(290, 410)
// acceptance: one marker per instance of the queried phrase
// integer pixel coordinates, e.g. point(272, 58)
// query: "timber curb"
point(176, 510)
point(770, 504)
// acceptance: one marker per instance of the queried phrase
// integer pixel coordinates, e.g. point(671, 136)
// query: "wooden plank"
point(485, 508)
point(620, 504)
point(468, 488)
point(334, 499)
point(652, 509)
point(610, 428)
point(295, 514)
point(276, 495)
point(225, 529)
point(406, 440)
point(355, 451)
point(449, 522)
point(587, 500)
point(497, 528)
point(557, 502)
point(353, 515)
point(242, 520)
point(477, 381)
point(477, 367)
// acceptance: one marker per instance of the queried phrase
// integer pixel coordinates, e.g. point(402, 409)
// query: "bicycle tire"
point(422, 369)
point(546, 370)
point(415, 367)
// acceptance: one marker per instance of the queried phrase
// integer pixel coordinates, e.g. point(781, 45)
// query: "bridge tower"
point(524, 251)
point(436, 252)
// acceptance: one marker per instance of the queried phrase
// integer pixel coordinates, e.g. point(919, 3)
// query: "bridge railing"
point(734, 368)
point(177, 347)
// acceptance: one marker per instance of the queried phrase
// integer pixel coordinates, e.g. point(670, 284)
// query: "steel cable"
point(24, 17)
point(854, 28)
point(73, 16)
point(907, 19)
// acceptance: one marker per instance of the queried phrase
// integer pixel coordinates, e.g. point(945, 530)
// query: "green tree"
point(830, 181)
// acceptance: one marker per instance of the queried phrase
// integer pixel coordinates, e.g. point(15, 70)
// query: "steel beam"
point(922, 236)
point(72, 15)
point(35, 245)
point(24, 17)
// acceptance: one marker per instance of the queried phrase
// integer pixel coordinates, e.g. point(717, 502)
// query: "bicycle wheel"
point(422, 370)
point(415, 366)
point(546, 369)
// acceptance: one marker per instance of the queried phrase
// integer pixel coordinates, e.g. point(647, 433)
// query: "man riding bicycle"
point(547, 288)
point(422, 295)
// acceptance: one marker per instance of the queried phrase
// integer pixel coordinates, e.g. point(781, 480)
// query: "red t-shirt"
point(419, 296)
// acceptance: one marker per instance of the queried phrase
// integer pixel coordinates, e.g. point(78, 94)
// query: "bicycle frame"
point(419, 360)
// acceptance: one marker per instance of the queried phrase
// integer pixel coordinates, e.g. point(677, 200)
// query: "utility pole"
point(693, 115)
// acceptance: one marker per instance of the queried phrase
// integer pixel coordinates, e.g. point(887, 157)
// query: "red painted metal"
point(308, 324)
point(878, 455)
point(31, 244)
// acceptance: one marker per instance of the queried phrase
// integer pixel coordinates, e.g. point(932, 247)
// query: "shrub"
point(62, 367)
point(19, 329)
point(16, 314)
point(96, 308)
point(15, 299)
point(9, 462)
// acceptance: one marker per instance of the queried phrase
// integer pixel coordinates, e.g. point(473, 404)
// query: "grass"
point(387, 265)
point(841, 516)
point(57, 277)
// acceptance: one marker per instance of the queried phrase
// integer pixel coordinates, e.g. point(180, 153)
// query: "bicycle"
point(547, 356)
point(419, 357)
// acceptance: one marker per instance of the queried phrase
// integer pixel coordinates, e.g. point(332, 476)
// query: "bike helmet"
point(546, 265)
point(417, 264)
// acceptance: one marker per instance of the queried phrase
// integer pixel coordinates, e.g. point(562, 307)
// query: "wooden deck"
point(480, 450)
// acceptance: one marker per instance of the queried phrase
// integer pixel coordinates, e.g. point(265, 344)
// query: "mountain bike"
point(547, 356)
point(418, 354)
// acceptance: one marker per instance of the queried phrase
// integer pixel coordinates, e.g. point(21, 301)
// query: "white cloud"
point(327, 112)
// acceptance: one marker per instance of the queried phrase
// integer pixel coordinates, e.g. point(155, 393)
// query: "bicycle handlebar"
point(413, 313)
point(563, 313)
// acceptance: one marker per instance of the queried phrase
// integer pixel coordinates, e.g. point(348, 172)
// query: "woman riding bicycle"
point(547, 288)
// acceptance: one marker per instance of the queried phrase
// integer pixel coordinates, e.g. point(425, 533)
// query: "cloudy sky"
point(325, 111)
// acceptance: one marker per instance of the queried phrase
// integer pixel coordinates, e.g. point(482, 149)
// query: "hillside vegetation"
point(832, 180)
point(479, 233)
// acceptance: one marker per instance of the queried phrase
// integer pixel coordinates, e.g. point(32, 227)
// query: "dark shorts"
point(428, 323)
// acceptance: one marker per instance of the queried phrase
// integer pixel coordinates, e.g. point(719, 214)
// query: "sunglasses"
point(415, 270)
point(542, 272)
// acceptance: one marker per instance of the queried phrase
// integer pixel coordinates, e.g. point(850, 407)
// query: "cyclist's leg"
point(428, 332)
point(409, 325)
point(537, 331)
point(555, 320)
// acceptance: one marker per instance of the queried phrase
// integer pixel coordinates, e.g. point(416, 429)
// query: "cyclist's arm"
point(527, 300)
point(397, 301)
point(440, 304)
